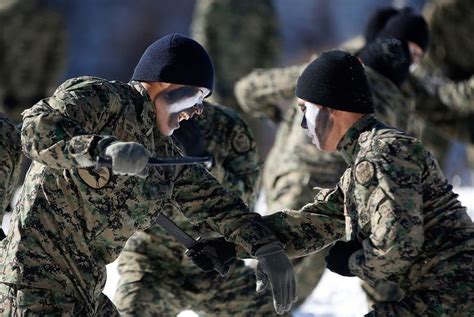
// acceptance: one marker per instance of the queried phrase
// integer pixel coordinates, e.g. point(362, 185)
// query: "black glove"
point(2, 235)
point(275, 269)
point(213, 254)
point(337, 259)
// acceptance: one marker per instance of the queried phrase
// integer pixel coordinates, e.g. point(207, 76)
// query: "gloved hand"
point(337, 259)
point(274, 267)
point(128, 158)
point(2, 235)
point(213, 254)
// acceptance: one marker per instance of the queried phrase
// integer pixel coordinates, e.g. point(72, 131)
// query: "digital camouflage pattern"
point(10, 161)
point(32, 46)
point(451, 47)
point(156, 279)
point(294, 166)
point(442, 84)
point(457, 95)
point(230, 30)
point(72, 219)
point(418, 242)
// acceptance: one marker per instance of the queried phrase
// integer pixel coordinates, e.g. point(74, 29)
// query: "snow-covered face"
point(318, 123)
point(173, 106)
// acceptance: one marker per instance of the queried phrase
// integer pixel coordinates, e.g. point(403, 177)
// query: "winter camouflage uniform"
point(10, 161)
point(157, 279)
point(443, 84)
point(72, 219)
point(418, 241)
point(294, 166)
point(230, 30)
point(32, 45)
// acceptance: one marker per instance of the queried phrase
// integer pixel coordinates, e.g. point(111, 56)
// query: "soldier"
point(294, 167)
point(403, 229)
point(443, 81)
point(10, 163)
point(231, 29)
point(32, 41)
point(155, 278)
point(73, 218)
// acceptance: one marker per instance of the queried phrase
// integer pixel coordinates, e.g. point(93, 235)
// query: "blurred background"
point(61, 39)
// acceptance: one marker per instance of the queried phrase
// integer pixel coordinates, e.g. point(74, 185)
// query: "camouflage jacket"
point(10, 161)
point(393, 198)
point(264, 90)
point(72, 220)
point(236, 166)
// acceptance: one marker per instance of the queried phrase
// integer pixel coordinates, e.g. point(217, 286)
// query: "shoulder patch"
point(94, 178)
point(364, 172)
point(241, 143)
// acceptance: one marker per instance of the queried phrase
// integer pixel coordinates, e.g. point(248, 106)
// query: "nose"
point(303, 123)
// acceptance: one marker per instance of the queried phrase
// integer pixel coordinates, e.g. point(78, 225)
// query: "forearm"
point(203, 200)
point(304, 233)
point(262, 91)
point(55, 140)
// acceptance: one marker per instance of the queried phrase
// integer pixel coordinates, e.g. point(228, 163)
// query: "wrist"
point(269, 248)
point(98, 149)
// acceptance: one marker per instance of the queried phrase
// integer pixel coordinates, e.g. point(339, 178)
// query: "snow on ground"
point(335, 296)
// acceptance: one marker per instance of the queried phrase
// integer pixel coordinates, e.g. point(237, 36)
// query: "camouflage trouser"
point(24, 301)
point(170, 292)
point(446, 290)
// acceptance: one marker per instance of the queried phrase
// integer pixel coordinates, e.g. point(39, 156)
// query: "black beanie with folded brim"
point(336, 80)
point(407, 27)
point(389, 57)
point(176, 59)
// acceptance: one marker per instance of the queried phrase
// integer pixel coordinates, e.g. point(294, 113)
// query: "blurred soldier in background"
point(156, 279)
point(32, 58)
point(10, 164)
point(443, 83)
point(32, 54)
point(294, 166)
point(240, 36)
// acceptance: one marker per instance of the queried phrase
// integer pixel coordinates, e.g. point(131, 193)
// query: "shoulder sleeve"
point(62, 131)
point(389, 190)
point(241, 163)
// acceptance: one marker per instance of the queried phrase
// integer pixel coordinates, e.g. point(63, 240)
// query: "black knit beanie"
point(407, 27)
point(379, 19)
point(389, 57)
point(176, 59)
point(337, 80)
point(377, 22)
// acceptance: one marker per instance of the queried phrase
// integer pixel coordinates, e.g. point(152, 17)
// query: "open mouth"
point(183, 116)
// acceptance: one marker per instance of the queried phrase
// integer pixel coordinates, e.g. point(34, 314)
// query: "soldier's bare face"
point(177, 104)
point(416, 53)
point(318, 123)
